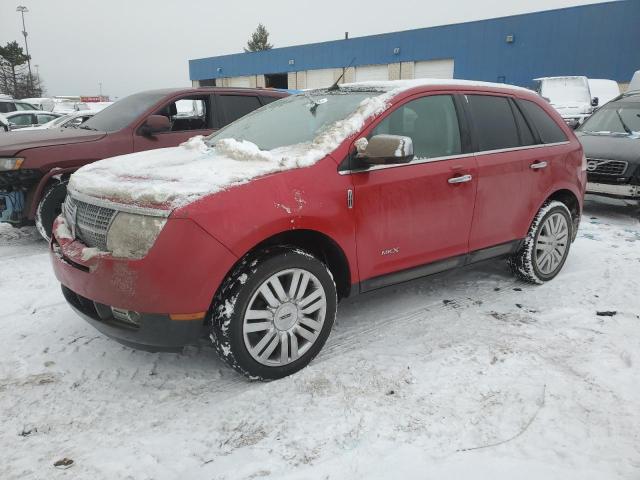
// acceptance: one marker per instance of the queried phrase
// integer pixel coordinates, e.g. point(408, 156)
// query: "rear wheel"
point(49, 208)
point(545, 250)
point(274, 313)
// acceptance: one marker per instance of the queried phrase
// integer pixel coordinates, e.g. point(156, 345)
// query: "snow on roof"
point(397, 86)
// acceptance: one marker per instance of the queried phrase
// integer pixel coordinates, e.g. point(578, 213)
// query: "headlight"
point(132, 235)
point(10, 163)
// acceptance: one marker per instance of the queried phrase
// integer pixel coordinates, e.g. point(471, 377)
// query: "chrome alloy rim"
point(284, 317)
point(552, 243)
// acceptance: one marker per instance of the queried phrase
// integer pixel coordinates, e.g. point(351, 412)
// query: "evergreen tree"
point(14, 76)
point(259, 40)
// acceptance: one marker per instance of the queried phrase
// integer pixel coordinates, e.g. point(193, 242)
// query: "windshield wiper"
point(624, 125)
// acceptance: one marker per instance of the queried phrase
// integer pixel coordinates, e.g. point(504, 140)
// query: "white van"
point(572, 96)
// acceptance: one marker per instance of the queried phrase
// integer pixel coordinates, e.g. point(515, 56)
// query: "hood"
point(610, 147)
point(17, 141)
point(173, 177)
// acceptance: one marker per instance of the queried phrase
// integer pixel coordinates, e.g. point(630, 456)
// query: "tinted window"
point(431, 122)
point(267, 100)
point(24, 119)
point(548, 129)
point(526, 137)
point(494, 124)
point(45, 118)
point(237, 106)
point(6, 107)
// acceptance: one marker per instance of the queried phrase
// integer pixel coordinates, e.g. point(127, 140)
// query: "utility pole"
point(22, 9)
point(100, 84)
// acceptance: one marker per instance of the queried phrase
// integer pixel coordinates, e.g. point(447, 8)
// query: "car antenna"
point(335, 86)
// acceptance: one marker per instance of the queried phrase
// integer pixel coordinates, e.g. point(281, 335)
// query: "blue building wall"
point(599, 41)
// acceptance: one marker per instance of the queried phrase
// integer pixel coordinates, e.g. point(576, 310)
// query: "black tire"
point(50, 207)
point(234, 296)
point(524, 263)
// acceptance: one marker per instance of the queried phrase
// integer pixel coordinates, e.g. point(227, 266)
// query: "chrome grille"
point(90, 222)
point(606, 167)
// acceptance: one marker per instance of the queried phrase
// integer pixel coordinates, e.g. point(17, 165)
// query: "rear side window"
point(548, 129)
point(494, 124)
point(237, 106)
point(6, 107)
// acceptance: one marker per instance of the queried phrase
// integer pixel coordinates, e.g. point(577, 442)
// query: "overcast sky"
point(133, 45)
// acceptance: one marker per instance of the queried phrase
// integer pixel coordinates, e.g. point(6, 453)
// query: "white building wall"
point(434, 69)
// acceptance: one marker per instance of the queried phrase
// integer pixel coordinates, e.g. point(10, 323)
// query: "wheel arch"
point(318, 244)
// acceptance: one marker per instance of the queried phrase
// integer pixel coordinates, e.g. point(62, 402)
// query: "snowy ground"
point(466, 375)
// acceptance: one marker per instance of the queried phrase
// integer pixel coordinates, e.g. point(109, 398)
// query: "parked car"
point(71, 120)
point(30, 118)
point(611, 141)
point(570, 96)
point(4, 124)
point(251, 235)
point(35, 166)
point(8, 105)
point(40, 103)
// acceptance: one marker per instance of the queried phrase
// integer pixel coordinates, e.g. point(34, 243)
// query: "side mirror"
point(155, 124)
point(595, 101)
point(386, 150)
point(573, 123)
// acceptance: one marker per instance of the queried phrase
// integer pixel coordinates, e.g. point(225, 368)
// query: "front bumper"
point(151, 332)
point(616, 191)
point(179, 276)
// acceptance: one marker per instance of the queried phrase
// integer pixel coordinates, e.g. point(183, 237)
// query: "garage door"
point(369, 73)
point(434, 69)
point(320, 78)
point(243, 82)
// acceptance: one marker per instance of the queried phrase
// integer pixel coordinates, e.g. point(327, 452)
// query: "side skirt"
point(402, 276)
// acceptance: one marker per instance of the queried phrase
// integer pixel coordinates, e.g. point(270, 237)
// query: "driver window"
point(189, 113)
point(432, 124)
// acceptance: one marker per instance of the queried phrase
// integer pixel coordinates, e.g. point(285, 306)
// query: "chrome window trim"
point(451, 157)
point(119, 207)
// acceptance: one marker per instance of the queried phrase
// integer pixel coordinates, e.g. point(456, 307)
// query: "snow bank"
point(176, 176)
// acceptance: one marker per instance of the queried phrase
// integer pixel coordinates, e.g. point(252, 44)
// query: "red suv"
point(35, 166)
point(251, 235)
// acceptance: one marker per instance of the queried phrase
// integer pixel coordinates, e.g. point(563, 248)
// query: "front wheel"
point(49, 208)
point(545, 250)
point(273, 313)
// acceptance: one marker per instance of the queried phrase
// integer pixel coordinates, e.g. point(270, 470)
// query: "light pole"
point(22, 9)
point(100, 85)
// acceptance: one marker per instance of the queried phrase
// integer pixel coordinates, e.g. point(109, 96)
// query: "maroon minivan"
point(35, 166)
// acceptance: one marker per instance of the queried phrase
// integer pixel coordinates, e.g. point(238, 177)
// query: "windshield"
point(59, 120)
point(293, 120)
point(120, 114)
point(564, 91)
point(615, 118)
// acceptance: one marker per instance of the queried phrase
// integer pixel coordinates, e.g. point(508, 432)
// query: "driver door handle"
point(538, 165)
point(460, 179)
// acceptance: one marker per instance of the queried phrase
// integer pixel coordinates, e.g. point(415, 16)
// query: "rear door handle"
point(460, 179)
point(538, 165)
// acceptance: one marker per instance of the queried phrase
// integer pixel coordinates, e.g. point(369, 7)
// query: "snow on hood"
point(174, 177)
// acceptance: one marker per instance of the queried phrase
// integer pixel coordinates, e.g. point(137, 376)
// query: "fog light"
point(127, 316)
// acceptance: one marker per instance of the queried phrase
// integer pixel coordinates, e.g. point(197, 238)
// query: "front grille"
point(90, 222)
point(606, 167)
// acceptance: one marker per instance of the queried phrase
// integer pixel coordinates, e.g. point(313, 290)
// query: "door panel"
point(411, 215)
